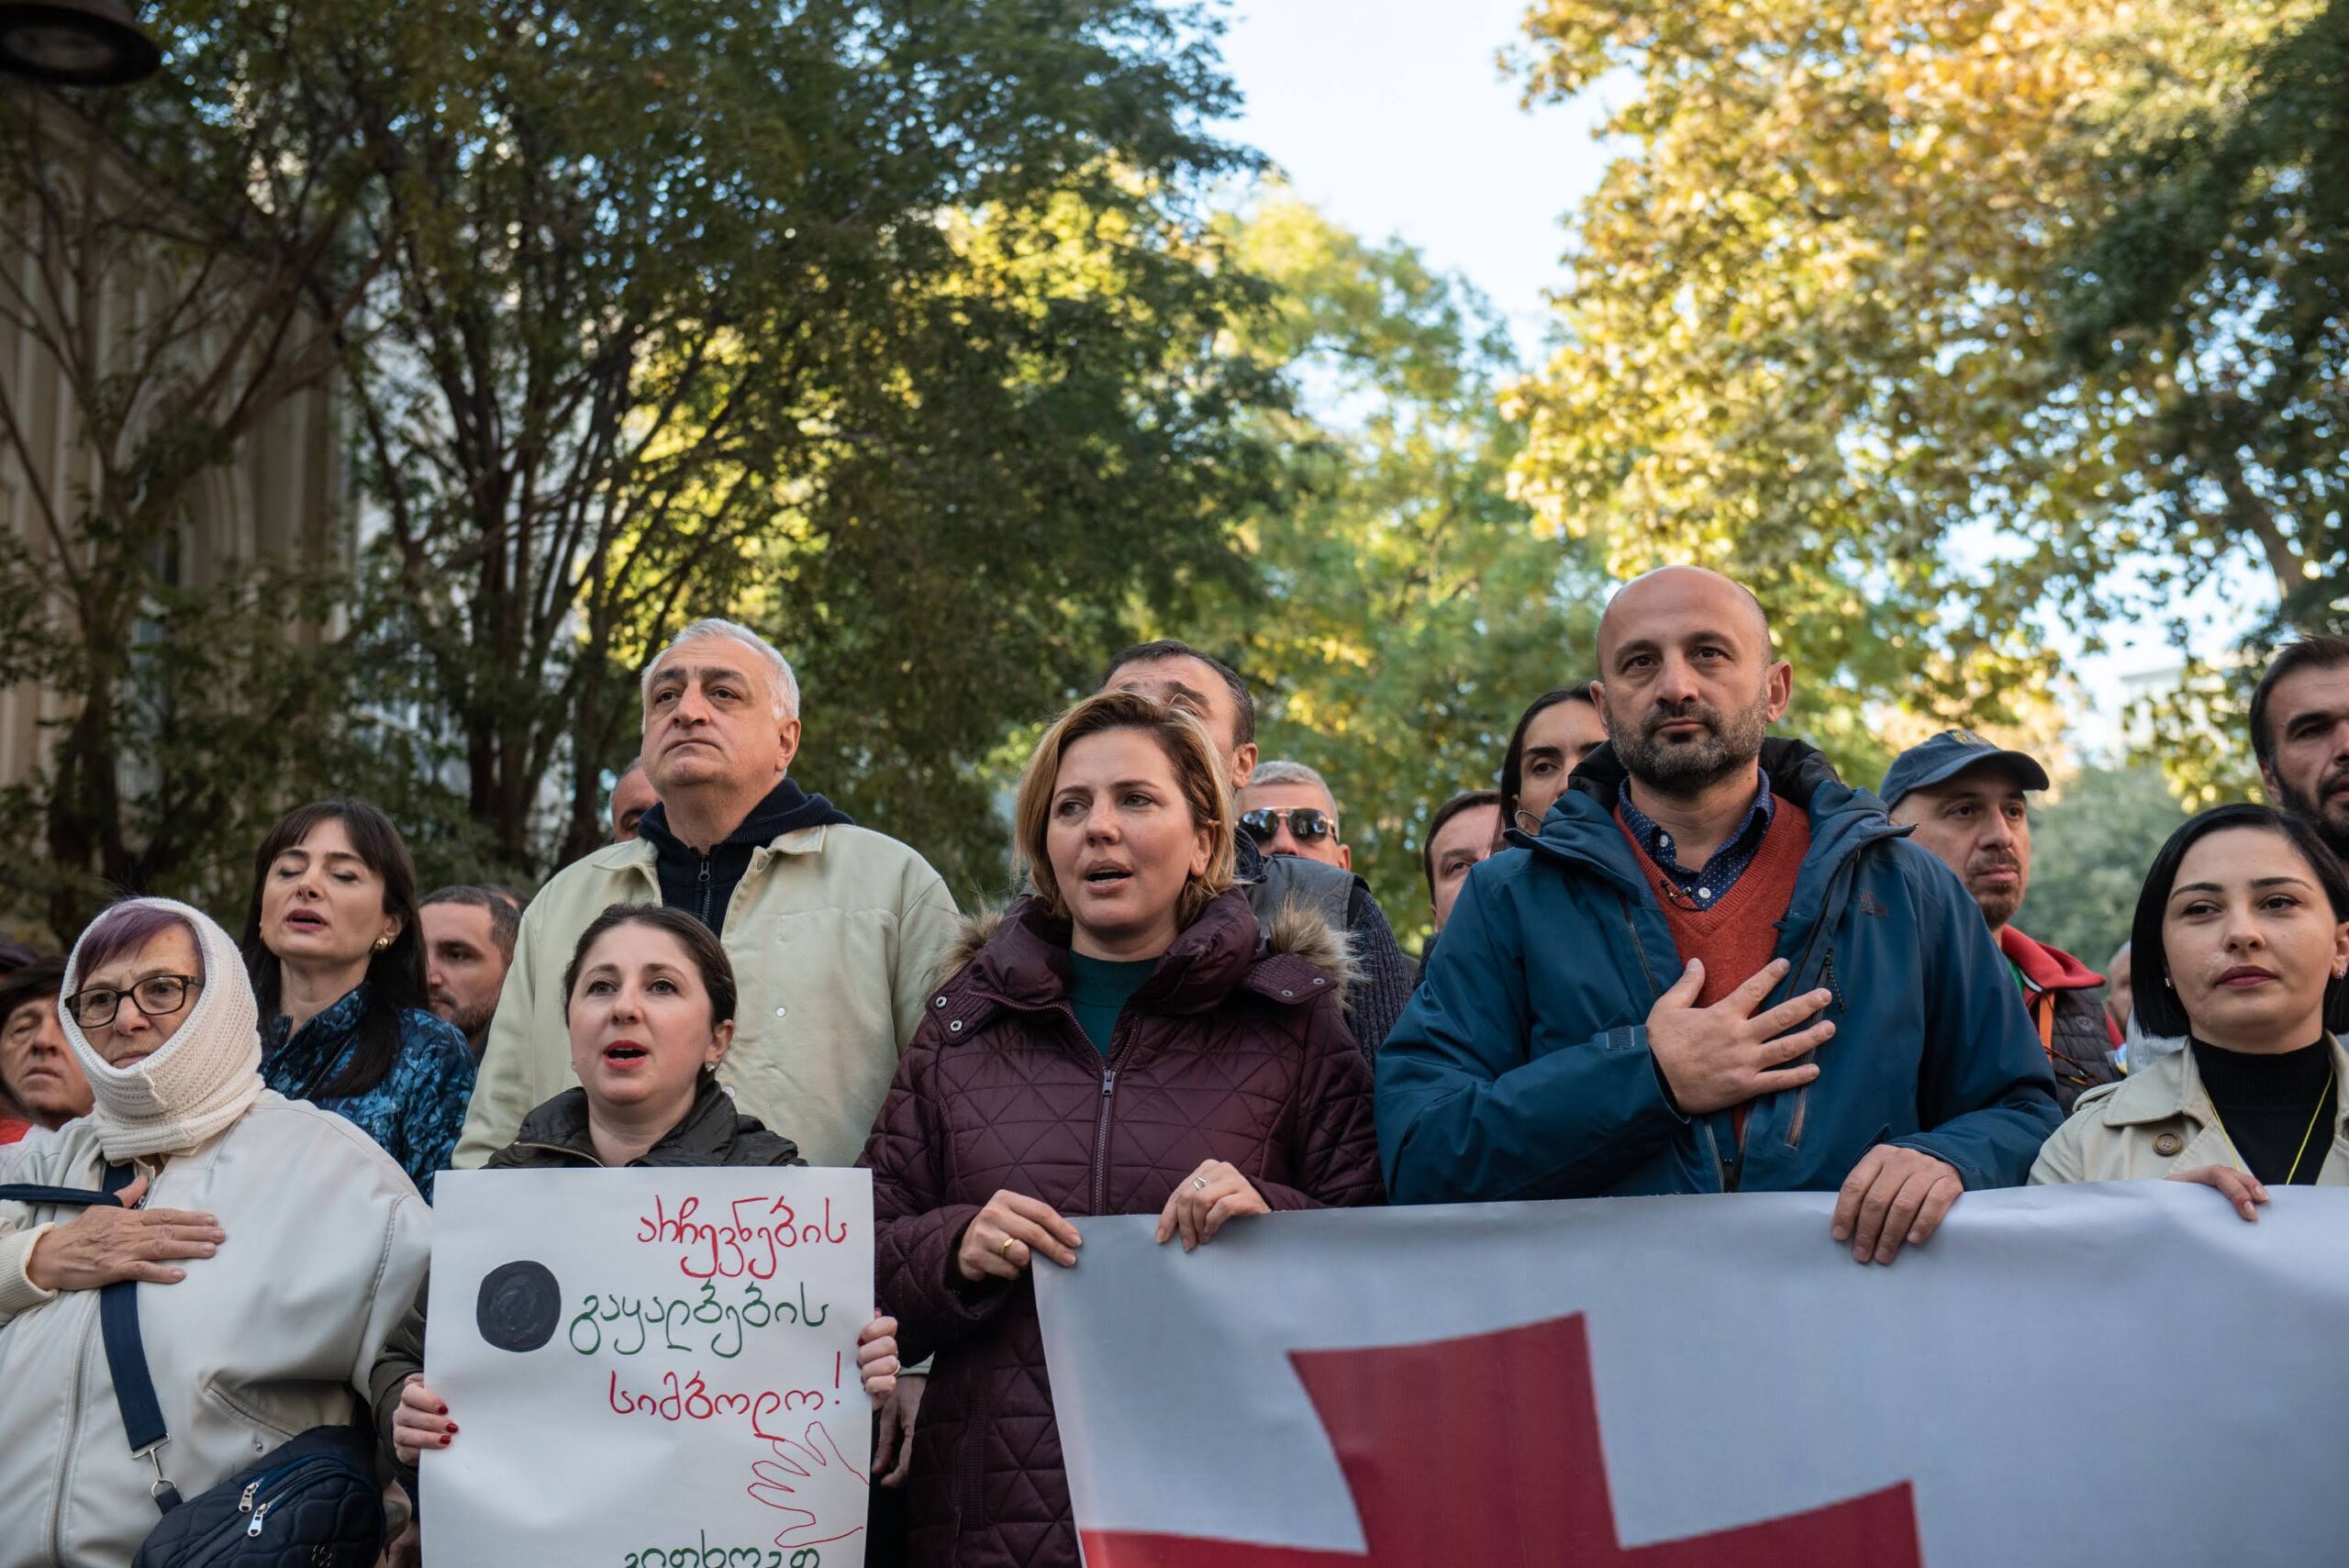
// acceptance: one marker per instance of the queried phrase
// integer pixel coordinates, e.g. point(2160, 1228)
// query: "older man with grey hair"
point(833, 928)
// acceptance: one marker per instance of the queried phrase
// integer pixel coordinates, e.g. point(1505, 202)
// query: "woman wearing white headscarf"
point(276, 1244)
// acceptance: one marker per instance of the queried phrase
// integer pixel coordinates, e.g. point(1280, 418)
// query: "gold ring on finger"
point(1008, 1244)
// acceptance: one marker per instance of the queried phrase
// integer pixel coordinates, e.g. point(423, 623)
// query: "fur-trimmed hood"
point(999, 950)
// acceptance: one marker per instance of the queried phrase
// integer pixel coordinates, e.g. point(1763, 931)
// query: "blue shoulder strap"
point(134, 1386)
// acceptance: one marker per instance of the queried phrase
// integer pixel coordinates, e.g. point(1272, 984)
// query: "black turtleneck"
point(2277, 1109)
point(702, 886)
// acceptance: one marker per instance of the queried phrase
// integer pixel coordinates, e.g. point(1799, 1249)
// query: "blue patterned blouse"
point(415, 1113)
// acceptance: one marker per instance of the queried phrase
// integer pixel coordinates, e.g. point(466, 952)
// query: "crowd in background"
point(1673, 953)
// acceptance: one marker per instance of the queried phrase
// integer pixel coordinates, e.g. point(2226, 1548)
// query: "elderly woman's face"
point(2251, 941)
point(639, 1021)
point(131, 983)
point(1122, 842)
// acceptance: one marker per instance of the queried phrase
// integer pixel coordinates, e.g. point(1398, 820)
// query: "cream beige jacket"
point(834, 932)
point(2159, 1120)
point(326, 1243)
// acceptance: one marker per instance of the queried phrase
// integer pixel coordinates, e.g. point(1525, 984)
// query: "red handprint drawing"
point(799, 1463)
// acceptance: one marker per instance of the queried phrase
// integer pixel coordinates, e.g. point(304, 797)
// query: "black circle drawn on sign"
point(519, 1306)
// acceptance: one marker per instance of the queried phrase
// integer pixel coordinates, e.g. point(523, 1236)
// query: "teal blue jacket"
point(1520, 1069)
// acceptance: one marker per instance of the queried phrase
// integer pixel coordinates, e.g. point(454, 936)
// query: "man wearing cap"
point(1964, 798)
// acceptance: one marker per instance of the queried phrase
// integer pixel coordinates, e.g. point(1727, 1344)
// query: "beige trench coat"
point(2159, 1120)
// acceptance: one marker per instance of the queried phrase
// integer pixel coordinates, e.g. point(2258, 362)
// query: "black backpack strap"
point(134, 1385)
point(33, 1192)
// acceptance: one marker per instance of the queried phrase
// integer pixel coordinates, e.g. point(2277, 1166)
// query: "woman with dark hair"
point(337, 960)
point(649, 1001)
point(1555, 733)
point(2241, 944)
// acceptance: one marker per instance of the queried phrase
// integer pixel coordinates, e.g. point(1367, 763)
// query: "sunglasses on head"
point(1307, 824)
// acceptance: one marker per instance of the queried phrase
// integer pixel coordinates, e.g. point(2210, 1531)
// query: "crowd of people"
point(1673, 953)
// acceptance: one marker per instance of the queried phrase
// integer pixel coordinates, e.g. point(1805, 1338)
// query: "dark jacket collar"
point(712, 1133)
point(1581, 826)
point(1018, 960)
point(786, 809)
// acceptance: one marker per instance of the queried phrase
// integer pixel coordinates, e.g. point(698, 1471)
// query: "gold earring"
point(382, 942)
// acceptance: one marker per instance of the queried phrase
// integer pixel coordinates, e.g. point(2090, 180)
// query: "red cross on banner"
point(1518, 1480)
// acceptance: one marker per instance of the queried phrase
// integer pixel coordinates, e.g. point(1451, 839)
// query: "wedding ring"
point(1200, 1182)
point(1009, 1242)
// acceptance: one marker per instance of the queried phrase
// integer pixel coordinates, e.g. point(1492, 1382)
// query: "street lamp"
point(75, 44)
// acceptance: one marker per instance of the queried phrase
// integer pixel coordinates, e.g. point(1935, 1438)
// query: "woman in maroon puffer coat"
point(1124, 1040)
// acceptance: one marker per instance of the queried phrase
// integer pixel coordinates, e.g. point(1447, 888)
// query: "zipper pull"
point(245, 1502)
point(1108, 1081)
point(252, 1530)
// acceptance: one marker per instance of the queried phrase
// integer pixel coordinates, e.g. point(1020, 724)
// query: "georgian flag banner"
point(2124, 1373)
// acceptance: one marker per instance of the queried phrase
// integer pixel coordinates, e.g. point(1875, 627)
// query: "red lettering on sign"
point(1517, 1479)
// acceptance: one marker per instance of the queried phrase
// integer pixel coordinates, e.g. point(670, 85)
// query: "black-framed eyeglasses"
point(1307, 824)
point(158, 997)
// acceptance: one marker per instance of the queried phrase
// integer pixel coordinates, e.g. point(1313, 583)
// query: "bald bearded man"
point(1717, 969)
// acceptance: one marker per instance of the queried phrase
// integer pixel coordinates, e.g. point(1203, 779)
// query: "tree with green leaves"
point(1408, 610)
point(2090, 848)
point(896, 330)
point(178, 266)
point(1815, 332)
point(904, 334)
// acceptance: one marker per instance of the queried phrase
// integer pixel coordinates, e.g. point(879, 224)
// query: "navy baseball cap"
point(1948, 754)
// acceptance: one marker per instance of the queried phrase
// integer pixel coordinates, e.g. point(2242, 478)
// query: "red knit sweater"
point(1740, 933)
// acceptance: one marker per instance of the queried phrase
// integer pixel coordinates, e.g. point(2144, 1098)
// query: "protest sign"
point(650, 1368)
point(2124, 1373)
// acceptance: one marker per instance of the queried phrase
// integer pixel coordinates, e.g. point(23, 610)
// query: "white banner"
point(2068, 1376)
point(650, 1369)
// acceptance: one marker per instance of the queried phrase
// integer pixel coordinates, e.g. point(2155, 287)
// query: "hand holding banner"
point(651, 1368)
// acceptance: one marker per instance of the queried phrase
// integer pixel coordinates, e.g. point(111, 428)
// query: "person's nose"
point(128, 1019)
point(1284, 841)
point(1676, 681)
point(1997, 833)
point(692, 707)
point(628, 1005)
point(2244, 934)
point(1101, 824)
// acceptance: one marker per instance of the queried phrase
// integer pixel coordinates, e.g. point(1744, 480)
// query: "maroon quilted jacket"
point(1234, 1048)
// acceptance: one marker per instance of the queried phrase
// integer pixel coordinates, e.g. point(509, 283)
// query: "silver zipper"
point(253, 1529)
point(245, 1502)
